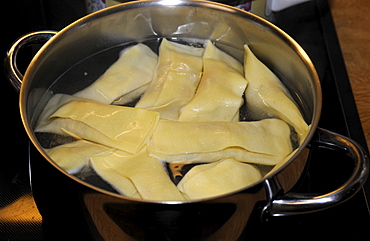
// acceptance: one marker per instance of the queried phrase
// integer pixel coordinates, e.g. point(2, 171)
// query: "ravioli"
point(146, 173)
point(55, 102)
point(120, 183)
point(123, 128)
point(176, 79)
point(263, 142)
point(189, 113)
point(124, 80)
point(266, 95)
point(219, 95)
point(74, 156)
point(212, 52)
point(213, 179)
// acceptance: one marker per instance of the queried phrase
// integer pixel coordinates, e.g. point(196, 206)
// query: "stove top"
point(310, 24)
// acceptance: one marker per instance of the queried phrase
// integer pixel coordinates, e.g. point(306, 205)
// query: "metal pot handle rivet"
point(14, 75)
point(298, 203)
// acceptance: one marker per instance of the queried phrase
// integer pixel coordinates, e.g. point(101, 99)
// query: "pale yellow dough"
point(125, 79)
point(212, 52)
point(183, 117)
point(72, 157)
point(120, 127)
point(264, 142)
point(176, 78)
point(55, 102)
point(218, 97)
point(213, 179)
point(146, 173)
point(266, 95)
point(121, 184)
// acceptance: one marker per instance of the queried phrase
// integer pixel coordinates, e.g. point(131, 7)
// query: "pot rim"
point(168, 3)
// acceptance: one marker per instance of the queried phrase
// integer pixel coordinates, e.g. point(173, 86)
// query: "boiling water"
point(88, 70)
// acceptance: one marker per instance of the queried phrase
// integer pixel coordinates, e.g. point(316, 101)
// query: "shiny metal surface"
point(298, 203)
point(230, 29)
point(14, 75)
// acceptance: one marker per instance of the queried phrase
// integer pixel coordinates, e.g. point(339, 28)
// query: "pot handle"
point(14, 75)
point(297, 203)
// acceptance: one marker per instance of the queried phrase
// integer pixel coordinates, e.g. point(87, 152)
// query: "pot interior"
point(81, 52)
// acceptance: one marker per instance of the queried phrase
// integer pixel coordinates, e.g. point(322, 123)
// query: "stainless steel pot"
point(110, 215)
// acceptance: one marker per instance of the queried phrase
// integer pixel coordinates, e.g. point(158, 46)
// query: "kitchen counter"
point(351, 20)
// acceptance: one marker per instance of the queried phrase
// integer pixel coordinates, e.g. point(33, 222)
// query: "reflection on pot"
point(119, 219)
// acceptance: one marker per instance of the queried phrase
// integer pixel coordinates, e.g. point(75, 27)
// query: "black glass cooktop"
point(309, 23)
